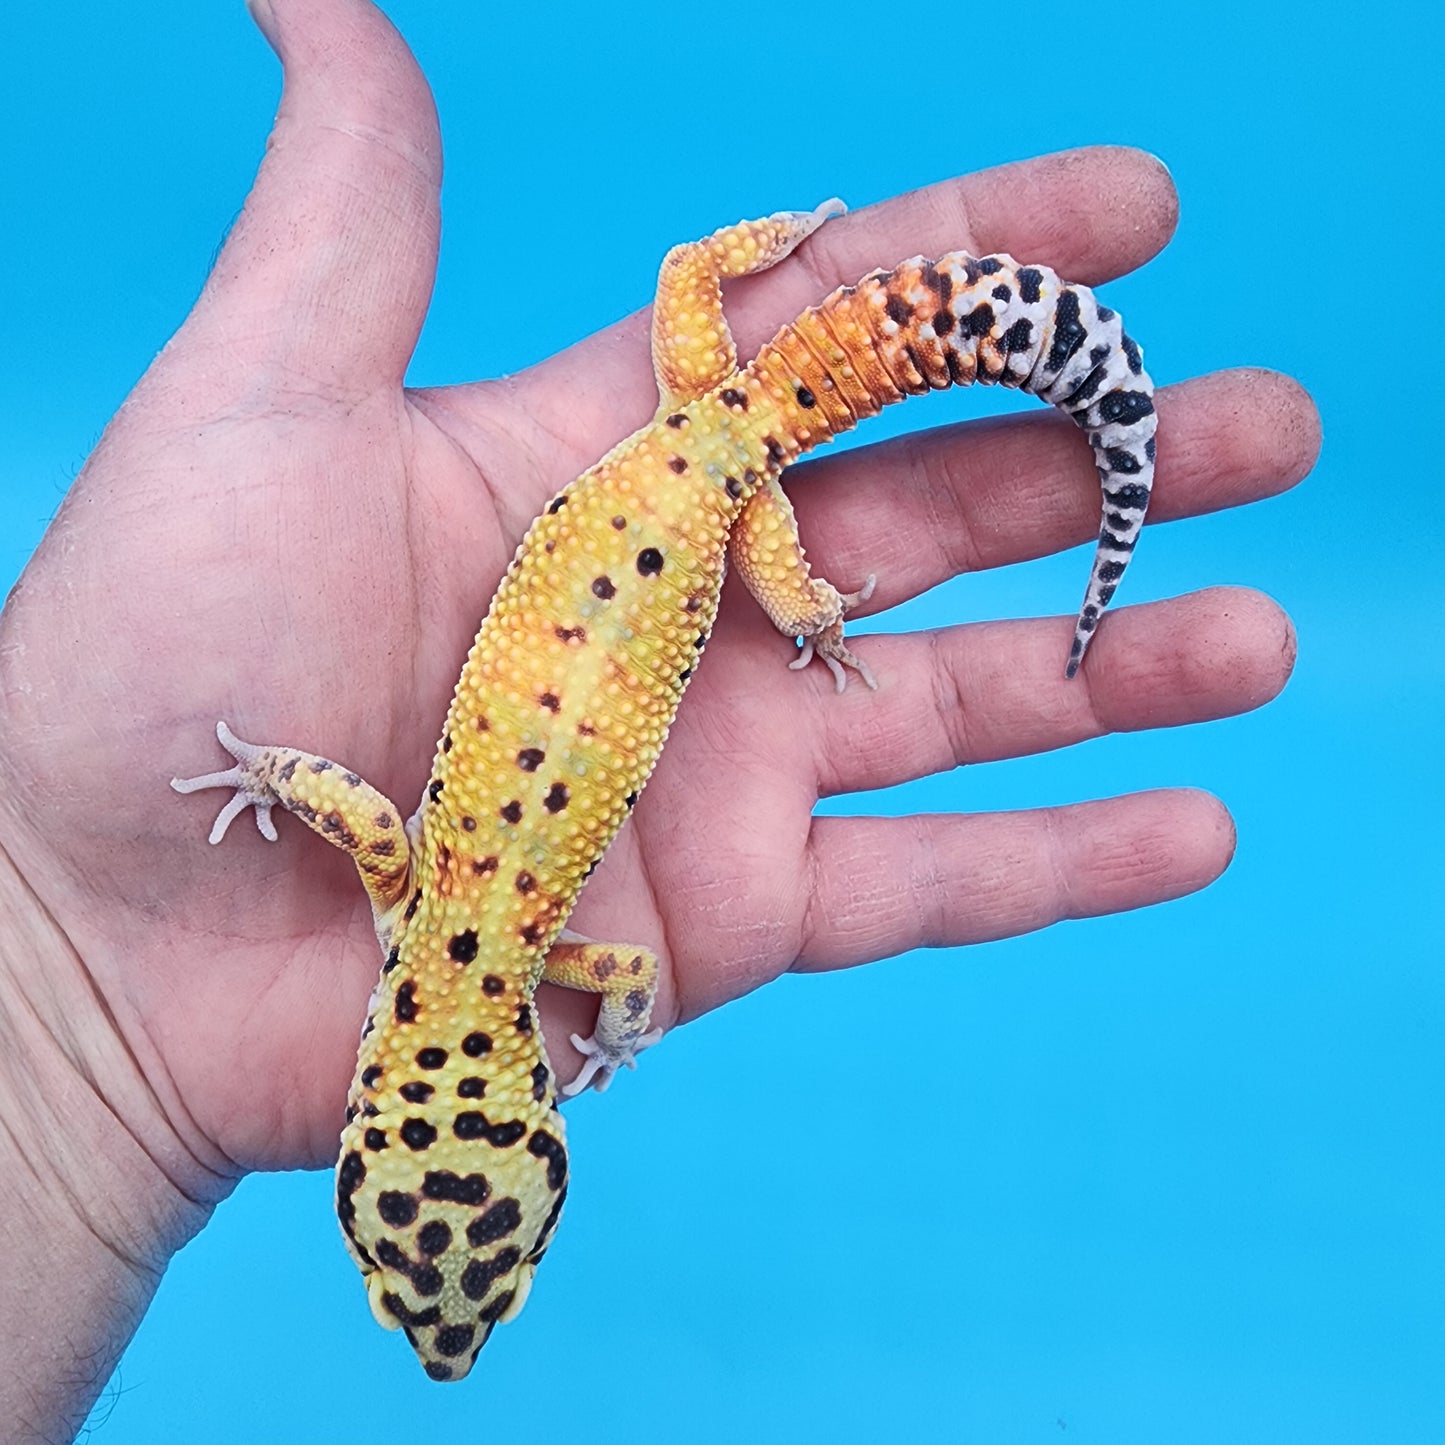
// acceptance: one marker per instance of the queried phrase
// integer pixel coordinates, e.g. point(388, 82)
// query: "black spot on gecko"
point(383, 848)
point(989, 265)
point(943, 322)
point(484, 866)
point(493, 1311)
point(978, 322)
point(383, 820)
point(897, 309)
point(1132, 354)
point(1068, 330)
point(676, 420)
point(449, 1187)
point(676, 464)
point(320, 765)
point(437, 1369)
point(1149, 449)
point(1002, 293)
point(375, 1140)
point(412, 906)
point(434, 1237)
point(530, 759)
point(1120, 460)
point(391, 959)
point(435, 790)
point(431, 1058)
point(636, 1002)
point(475, 1045)
point(396, 1209)
point(1019, 336)
point(512, 811)
point(1125, 407)
point(370, 1076)
point(1131, 494)
point(556, 504)
point(556, 799)
point(493, 984)
point(453, 1340)
point(618, 523)
point(417, 1134)
point(649, 562)
point(525, 882)
point(399, 1307)
point(416, 1092)
point(939, 282)
point(1031, 281)
point(602, 587)
point(684, 674)
point(543, 1145)
point(630, 799)
point(1110, 571)
point(350, 1175)
point(502, 1219)
point(694, 603)
point(406, 1005)
point(734, 488)
point(471, 1087)
point(474, 1125)
point(731, 396)
point(524, 1019)
point(480, 1274)
point(288, 770)
point(539, 1081)
point(570, 634)
point(463, 946)
point(806, 398)
point(550, 701)
point(775, 449)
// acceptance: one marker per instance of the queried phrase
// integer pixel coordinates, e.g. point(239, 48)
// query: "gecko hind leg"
point(626, 977)
point(768, 554)
point(329, 799)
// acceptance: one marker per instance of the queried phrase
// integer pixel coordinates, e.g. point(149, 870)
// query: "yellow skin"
point(453, 1164)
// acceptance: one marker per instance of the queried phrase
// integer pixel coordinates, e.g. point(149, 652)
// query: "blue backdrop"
point(1187, 1175)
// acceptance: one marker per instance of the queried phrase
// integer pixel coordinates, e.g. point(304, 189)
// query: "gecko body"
point(453, 1162)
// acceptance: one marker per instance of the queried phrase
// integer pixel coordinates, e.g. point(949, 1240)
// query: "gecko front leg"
point(626, 978)
point(332, 801)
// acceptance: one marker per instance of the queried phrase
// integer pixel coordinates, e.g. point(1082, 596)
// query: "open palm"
point(274, 531)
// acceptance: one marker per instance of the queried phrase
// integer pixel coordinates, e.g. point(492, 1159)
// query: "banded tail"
point(929, 325)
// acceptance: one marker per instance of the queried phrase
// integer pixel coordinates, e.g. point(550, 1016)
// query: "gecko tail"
point(928, 325)
point(1089, 367)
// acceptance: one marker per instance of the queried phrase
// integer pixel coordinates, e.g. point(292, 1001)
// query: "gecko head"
point(446, 1256)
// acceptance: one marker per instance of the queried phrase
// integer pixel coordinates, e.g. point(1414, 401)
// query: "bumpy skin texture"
point(453, 1165)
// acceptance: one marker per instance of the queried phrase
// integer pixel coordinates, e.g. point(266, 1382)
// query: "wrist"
point(91, 1204)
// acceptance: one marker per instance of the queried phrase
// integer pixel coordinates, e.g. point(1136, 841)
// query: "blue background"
point(1179, 1174)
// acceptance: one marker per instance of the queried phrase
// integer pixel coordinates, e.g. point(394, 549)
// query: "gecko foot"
point(252, 790)
point(602, 1060)
point(828, 647)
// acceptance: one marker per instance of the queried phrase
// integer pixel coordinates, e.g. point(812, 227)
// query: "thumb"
point(325, 277)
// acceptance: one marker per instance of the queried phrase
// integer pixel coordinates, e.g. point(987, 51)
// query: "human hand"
point(274, 531)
